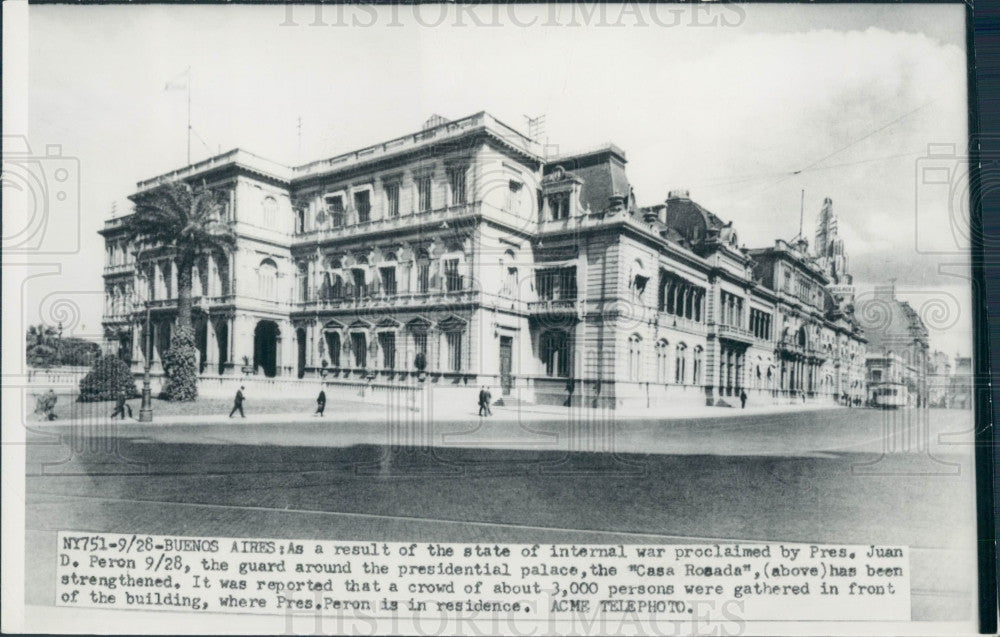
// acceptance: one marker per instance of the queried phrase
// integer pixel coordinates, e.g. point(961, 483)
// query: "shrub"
point(108, 377)
point(180, 364)
point(77, 351)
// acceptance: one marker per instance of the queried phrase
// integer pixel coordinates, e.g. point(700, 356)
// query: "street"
point(835, 476)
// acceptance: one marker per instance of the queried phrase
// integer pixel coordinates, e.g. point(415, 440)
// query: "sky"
point(745, 106)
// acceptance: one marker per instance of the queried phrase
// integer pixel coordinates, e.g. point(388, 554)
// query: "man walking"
point(484, 402)
point(743, 399)
point(120, 406)
point(238, 403)
point(320, 404)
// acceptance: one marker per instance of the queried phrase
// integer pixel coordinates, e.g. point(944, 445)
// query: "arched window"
point(662, 361)
point(635, 357)
point(270, 217)
point(680, 364)
point(267, 278)
point(696, 365)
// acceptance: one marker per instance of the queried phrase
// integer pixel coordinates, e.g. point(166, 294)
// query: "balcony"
point(554, 307)
point(737, 334)
point(390, 224)
point(412, 301)
point(120, 268)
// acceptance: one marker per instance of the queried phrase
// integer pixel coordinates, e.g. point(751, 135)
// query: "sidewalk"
point(442, 413)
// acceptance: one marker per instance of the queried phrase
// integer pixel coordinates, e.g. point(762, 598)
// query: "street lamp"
point(146, 409)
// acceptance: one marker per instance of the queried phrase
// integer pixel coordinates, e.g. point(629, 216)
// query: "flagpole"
point(189, 117)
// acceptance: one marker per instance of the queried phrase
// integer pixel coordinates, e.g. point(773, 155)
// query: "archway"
point(265, 347)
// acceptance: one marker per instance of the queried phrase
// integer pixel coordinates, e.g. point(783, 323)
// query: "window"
point(387, 342)
point(335, 208)
point(303, 279)
point(696, 365)
point(556, 284)
point(634, 357)
point(420, 343)
point(270, 206)
point(680, 371)
point(662, 361)
point(267, 276)
point(510, 284)
point(359, 347)
point(555, 353)
point(300, 220)
point(760, 324)
point(423, 277)
point(388, 280)
point(559, 206)
point(514, 189)
point(454, 340)
point(424, 193)
point(392, 200)
point(453, 280)
point(363, 205)
point(334, 347)
point(787, 284)
point(360, 287)
point(456, 184)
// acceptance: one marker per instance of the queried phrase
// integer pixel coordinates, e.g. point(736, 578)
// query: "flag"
point(179, 83)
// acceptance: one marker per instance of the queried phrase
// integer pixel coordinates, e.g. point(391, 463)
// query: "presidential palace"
point(539, 276)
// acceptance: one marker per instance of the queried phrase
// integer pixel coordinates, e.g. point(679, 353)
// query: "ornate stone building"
point(464, 246)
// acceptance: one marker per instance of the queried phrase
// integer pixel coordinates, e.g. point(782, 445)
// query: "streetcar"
point(890, 396)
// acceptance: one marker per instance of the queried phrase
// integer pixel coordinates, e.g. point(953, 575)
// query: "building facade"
point(464, 246)
point(894, 328)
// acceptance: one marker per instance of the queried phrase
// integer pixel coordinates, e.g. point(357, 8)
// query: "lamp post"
point(146, 409)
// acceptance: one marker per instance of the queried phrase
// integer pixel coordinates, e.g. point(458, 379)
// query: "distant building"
point(893, 328)
point(939, 379)
point(466, 244)
point(962, 385)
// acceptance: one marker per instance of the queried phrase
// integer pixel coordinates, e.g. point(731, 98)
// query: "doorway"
point(506, 359)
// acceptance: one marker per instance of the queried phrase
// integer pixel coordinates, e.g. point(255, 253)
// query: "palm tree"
point(42, 345)
point(187, 222)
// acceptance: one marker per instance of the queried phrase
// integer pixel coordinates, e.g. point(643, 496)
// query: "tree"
point(42, 346)
point(185, 222)
point(109, 377)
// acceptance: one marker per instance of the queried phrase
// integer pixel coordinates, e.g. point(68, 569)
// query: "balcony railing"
point(389, 224)
point(554, 306)
point(443, 131)
point(407, 300)
point(734, 333)
point(119, 268)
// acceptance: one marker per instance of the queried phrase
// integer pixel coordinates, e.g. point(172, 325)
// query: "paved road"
point(857, 476)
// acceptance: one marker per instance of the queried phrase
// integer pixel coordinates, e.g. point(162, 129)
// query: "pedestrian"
point(238, 403)
point(320, 403)
point(484, 402)
point(120, 406)
point(743, 399)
